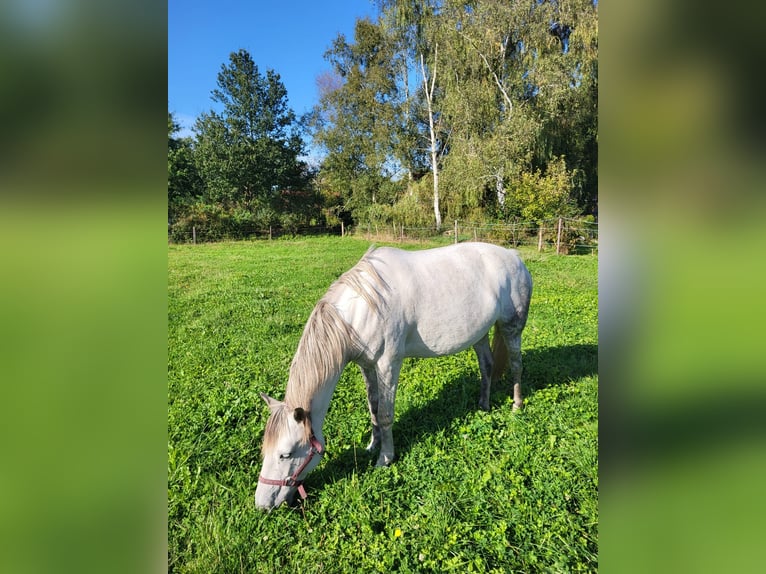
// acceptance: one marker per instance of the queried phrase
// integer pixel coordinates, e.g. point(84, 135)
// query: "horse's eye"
point(286, 455)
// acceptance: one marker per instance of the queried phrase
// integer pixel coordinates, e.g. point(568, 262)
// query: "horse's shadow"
point(542, 368)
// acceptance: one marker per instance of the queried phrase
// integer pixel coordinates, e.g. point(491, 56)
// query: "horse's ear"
point(273, 403)
point(299, 414)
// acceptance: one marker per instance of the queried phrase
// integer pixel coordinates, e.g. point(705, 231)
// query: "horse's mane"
point(328, 341)
point(365, 280)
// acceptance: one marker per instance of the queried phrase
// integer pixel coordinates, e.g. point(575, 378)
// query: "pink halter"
point(316, 448)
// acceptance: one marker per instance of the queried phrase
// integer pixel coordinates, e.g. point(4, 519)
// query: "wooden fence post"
point(540, 238)
point(269, 232)
point(456, 231)
point(194, 234)
point(342, 229)
point(558, 239)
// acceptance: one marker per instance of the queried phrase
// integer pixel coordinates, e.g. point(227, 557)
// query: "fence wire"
point(561, 235)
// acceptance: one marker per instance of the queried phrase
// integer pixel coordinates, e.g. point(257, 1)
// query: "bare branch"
point(491, 71)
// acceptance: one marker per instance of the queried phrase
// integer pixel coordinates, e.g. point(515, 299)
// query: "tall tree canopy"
point(493, 103)
point(435, 110)
point(248, 153)
point(357, 121)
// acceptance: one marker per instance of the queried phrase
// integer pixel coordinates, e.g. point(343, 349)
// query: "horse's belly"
point(447, 340)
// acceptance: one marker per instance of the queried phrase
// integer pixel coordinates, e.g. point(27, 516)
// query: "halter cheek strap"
point(292, 480)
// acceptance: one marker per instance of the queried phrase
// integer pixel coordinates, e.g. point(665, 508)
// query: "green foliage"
point(414, 208)
point(495, 101)
point(241, 173)
point(358, 120)
point(184, 182)
point(248, 153)
point(545, 196)
point(470, 491)
point(214, 222)
point(515, 88)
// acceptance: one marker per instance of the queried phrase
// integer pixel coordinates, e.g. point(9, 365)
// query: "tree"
point(414, 28)
point(569, 107)
point(428, 91)
point(501, 120)
point(545, 196)
point(248, 152)
point(184, 182)
point(358, 120)
point(489, 130)
point(520, 97)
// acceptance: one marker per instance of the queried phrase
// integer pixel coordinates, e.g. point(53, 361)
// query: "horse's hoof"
point(384, 461)
point(484, 405)
point(517, 407)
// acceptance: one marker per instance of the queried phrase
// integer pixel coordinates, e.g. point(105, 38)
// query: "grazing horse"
point(391, 305)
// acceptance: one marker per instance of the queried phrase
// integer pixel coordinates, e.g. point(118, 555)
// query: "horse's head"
point(289, 454)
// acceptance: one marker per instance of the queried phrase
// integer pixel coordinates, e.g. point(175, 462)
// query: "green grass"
point(469, 491)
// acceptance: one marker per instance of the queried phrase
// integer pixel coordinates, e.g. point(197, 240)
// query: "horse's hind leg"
point(512, 338)
point(371, 382)
point(484, 355)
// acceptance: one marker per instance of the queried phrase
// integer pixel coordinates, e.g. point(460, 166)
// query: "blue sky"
point(289, 37)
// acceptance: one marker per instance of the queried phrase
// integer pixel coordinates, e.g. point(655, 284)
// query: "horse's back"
point(447, 298)
point(459, 264)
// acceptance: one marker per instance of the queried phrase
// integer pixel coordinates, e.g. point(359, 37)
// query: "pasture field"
point(470, 491)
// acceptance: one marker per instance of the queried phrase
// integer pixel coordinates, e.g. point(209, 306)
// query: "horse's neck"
point(317, 401)
point(320, 403)
point(324, 350)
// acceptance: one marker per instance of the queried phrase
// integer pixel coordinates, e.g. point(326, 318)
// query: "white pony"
point(391, 305)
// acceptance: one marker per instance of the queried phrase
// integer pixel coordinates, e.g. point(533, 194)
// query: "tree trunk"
point(434, 152)
point(500, 188)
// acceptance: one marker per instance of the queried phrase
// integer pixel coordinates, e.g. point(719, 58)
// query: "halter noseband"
point(292, 480)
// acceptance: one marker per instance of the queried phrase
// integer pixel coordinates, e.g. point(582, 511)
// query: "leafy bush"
point(414, 208)
point(545, 196)
point(214, 222)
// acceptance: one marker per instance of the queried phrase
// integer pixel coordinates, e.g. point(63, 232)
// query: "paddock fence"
point(562, 235)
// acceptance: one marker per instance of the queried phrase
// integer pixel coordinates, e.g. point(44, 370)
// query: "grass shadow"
point(542, 368)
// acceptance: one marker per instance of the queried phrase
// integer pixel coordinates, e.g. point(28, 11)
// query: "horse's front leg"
point(388, 379)
point(370, 377)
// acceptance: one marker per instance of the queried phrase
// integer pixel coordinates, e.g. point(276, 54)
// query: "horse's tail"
point(499, 354)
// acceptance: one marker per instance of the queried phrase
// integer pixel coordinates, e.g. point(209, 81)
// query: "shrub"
point(214, 222)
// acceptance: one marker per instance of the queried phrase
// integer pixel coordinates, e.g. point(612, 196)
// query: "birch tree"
point(428, 90)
